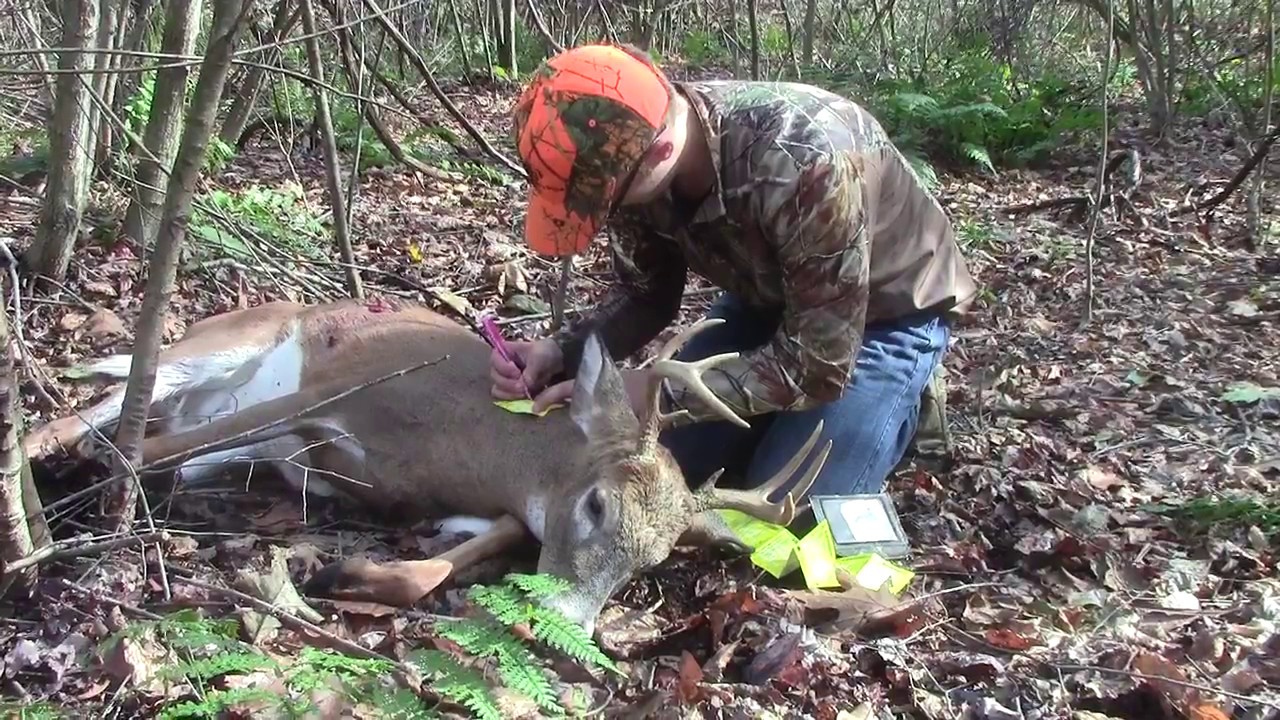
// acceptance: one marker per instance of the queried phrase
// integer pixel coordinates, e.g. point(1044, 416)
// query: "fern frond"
point(400, 704)
point(343, 664)
point(502, 602)
point(972, 110)
point(463, 686)
point(915, 103)
point(557, 631)
point(979, 155)
point(479, 636)
point(206, 669)
point(216, 702)
point(538, 586)
point(520, 671)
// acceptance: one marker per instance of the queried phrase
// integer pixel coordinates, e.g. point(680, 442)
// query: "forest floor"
point(1048, 583)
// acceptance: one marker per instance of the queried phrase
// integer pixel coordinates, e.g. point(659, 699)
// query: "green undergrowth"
point(1218, 514)
point(975, 114)
point(279, 216)
point(204, 670)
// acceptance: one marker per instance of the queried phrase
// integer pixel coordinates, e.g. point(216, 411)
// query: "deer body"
point(589, 483)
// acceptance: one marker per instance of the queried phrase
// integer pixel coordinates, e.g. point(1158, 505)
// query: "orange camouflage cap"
point(582, 125)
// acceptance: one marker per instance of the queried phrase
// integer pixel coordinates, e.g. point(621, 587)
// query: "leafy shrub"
point(971, 114)
point(277, 214)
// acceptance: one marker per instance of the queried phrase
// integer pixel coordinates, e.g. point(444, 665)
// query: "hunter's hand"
point(542, 359)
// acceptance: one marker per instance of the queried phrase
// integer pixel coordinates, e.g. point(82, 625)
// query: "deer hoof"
point(399, 584)
point(350, 579)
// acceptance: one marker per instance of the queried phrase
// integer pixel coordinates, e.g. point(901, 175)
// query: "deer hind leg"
point(190, 390)
point(402, 584)
point(68, 433)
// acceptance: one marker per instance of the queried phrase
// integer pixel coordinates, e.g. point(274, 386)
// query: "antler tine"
point(756, 502)
point(688, 372)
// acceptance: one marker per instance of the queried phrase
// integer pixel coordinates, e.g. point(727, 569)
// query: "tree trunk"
point(333, 173)
point(247, 95)
point(504, 21)
point(32, 21)
point(1253, 204)
point(791, 38)
point(753, 24)
point(461, 37)
point(810, 20)
point(228, 18)
point(15, 476)
point(110, 31)
point(164, 124)
point(70, 147)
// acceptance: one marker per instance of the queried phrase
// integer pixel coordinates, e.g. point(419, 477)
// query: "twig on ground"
point(1260, 153)
point(77, 587)
point(65, 549)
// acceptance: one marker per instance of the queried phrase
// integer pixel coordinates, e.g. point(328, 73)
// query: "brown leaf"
point(281, 516)
point(104, 325)
point(690, 678)
point(856, 609)
point(1206, 711)
point(71, 321)
point(713, 669)
point(1007, 639)
point(99, 287)
point(624, 632)
point(778, 656)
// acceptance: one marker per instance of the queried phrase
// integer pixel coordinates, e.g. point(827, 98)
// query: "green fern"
point(979, 155)
point(503, 602)
point(399, 704)
point(461, 685)
point(214, 703)
point(517, 665)
point(226, 663)
point(208, 649)
point(557, 631)
point(538, 586)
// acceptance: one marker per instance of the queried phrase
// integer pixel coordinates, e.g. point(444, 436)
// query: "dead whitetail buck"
point(593, 484)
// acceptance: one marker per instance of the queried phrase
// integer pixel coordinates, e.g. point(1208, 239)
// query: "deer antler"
point(756, 502)
point(689, 373)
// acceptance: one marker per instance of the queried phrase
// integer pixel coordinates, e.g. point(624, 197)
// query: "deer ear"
point(599, 403)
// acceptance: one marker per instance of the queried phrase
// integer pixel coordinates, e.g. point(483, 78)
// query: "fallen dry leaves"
point(1046, 585)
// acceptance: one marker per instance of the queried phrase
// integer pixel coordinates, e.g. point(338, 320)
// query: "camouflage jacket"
point(815, 214)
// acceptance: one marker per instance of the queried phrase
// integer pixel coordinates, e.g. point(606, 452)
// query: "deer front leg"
point(404, 583)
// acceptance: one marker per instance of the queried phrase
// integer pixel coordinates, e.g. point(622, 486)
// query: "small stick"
point(71, 585)
point(58, 550)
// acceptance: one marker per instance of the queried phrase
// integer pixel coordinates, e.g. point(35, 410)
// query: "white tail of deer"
point(593, 485)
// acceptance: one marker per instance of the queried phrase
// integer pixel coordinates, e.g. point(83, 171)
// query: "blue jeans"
point(870, 427)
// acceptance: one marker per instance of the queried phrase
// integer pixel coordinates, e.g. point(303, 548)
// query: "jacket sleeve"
point(819, 227)
point(649, 272)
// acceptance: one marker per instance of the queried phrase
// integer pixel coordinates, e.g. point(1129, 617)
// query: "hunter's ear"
point(599, 401)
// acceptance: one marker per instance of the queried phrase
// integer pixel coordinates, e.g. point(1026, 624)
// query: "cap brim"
point(550, 229)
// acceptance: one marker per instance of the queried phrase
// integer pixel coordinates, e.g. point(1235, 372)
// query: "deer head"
point(630, 503)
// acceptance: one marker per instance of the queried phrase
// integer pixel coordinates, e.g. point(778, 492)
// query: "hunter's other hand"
point(542, 359)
